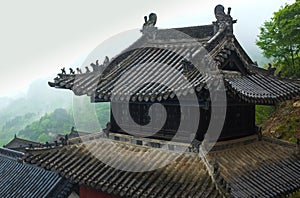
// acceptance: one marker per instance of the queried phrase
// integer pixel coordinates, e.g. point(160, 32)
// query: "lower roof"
point(266, 168)
point(25, 180)
point(86, 164)
point(248, 167)
point(20, 143)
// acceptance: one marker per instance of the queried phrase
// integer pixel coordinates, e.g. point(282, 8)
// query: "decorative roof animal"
point(152, 20)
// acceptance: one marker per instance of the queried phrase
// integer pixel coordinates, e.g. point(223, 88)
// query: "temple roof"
point(203, 55)
point(86, 164)
point(247, 167)
point(266, 168)
point(20, 144)
point(25, 180)
point(73, 134)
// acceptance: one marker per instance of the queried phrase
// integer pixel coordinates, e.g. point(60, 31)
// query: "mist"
point(38, 38)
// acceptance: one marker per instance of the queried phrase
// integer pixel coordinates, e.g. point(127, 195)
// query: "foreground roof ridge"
point(213, 170)
point(11, 154)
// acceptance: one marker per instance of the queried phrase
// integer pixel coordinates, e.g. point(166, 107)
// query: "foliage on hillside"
point(16, 113)
point(284, 123)
point(262, 113)
point(103, 113)
point(49, 125)
point(90, 117)
point(296, 195)
point(11, 127)
point(279, 39)
point(61, 121)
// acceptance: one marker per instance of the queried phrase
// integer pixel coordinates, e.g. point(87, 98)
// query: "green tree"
point(279, 39)
point(43, 138)
point(262, 113)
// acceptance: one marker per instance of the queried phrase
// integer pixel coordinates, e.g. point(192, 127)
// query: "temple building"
point(20, 144)
point(185, 70)
point(246, 85)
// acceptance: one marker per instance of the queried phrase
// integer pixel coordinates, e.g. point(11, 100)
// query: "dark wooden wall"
point(139, 112)
point(239, 122)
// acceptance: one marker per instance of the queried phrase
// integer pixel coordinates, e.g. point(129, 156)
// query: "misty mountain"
point(39, 99)
point(45, 111)
point(13, 126)
point(256, 56)
point(61, 121)
point(17, 113)
point(4, 102)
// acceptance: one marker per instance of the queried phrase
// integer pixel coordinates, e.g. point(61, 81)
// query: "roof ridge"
point(214, 172)
point(25, 140)
point(11, 154)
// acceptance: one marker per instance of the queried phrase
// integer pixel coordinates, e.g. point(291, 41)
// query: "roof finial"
point(149, 28)
point(229, 10)
point(224, 21)
point(79, 71)
point(71, 71)
point(106, 61)
point(63, 70)
point(151, 22)
point(87, 69)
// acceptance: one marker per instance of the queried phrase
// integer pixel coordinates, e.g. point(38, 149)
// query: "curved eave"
point(260, 89)
point(51, 84)
point(252, 88)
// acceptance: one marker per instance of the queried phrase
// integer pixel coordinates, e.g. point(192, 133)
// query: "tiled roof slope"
point(198, 32)
point(152, 59)
point(245, 168)
point(267, 168)
point(187, 176)
point(25, 180)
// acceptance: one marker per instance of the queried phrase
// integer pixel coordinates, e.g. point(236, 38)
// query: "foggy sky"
point(37, 38)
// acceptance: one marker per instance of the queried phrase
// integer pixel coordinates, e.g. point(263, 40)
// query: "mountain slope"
point(284, 123)
point(14, 125)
